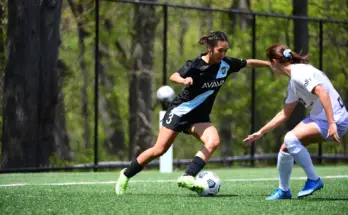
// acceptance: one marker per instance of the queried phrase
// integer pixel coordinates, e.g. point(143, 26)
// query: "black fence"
point(253, 156)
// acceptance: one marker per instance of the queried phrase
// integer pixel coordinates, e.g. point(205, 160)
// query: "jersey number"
point(340, 102)
point(170, 117)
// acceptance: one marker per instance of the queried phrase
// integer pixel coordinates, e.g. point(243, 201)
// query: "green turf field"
point(242, 192)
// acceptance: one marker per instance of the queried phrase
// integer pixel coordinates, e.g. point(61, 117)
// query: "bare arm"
point(176, 78)
point(325, 100)
point(254, 63)
point(277, 120)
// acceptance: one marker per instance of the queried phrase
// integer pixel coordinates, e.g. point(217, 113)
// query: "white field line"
point(168, 181)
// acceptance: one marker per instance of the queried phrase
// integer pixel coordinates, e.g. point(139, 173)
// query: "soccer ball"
point(210, 181)
point(165, 94)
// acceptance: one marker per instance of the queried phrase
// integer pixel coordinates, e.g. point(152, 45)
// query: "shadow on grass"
point(185, 195)
point(325, 199)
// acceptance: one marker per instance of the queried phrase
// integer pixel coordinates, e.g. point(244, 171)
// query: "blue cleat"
point(280, 194)
point(310, 187)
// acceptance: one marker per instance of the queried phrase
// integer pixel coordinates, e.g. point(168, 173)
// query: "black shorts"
point(182, 124)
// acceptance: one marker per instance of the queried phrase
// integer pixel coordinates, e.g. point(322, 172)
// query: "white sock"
point(303, 159)
point(284, 165)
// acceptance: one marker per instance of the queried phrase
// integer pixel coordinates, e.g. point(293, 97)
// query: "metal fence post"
point(320, 146)
point(165, 30)
point(96, 84)
point(253, 91)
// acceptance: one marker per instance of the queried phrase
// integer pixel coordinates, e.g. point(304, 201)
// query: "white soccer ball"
point(210, 181)
point(165, 94)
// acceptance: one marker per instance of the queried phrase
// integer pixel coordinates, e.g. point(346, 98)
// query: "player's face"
point(219, 51)
point(277, 67)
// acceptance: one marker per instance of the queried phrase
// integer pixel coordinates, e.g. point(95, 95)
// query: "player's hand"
point(188, 81)
point(333, 133)
point(252, 137)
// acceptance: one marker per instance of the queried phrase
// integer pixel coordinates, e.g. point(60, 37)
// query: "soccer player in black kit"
point(190, 110)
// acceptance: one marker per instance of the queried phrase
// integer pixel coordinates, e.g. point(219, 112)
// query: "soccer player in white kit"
point(328, 119)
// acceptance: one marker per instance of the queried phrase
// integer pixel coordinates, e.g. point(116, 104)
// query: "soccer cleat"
point(310, 187)
point(280, 194)
point(122, 183)
point(189, 182)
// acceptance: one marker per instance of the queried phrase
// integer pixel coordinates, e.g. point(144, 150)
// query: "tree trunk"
point(61, 135)
point(242, 19)
point(140, 84)
point(30, 92)
point(3, 21)
point(109, 106)
point(183, 29)
point(110, 114)
point(206, 19)
point(2, 36)
point(226, 138)
point(301, 42)
point(78, 12)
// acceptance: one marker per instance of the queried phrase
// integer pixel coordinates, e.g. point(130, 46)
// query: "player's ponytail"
point(212, 38)
point(203, 39)
point(298, 58)
point(284, 54)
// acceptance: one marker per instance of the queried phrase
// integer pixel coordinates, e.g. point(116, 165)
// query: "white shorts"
point(323, 126)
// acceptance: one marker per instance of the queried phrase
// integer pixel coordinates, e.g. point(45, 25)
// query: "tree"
point(301, 44)
point(31, 89)
point(242, 20)
point(140, 84)
point(79, 12)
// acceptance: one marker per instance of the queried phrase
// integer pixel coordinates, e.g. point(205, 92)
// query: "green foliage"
point(234, 99)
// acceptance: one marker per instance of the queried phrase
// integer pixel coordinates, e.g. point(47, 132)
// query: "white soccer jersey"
point(304, 78)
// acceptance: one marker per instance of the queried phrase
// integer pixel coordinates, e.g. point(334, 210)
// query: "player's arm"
point(183, 75)
point(255, 63)
point(176, 78)
point(325, 100)
point(277, 120)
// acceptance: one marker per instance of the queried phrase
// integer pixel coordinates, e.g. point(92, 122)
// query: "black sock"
point(195, 166)
point(133, 169)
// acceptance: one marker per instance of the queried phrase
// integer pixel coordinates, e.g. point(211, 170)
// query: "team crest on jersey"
point(222, 73)
point(223, 70)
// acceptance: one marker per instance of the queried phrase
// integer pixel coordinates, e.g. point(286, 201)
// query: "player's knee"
point(213, 143)
point(292, 143)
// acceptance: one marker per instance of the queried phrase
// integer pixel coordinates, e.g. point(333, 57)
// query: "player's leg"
point(164, 141)
point(304, 133)
point(284, 165)
point(208, 135)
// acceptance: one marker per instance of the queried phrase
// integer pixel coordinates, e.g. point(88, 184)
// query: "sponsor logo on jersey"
point(213, 84)
point(306, 82)
point(302, 101)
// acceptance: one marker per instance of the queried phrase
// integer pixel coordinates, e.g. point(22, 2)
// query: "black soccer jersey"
point(207, 80)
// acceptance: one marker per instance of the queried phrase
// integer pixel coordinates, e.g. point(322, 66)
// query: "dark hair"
point(212, 38)
point(284, 54)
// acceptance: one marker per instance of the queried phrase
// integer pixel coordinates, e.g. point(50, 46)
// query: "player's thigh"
point(165, 138)
point(307, 133)
point(205, 132)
